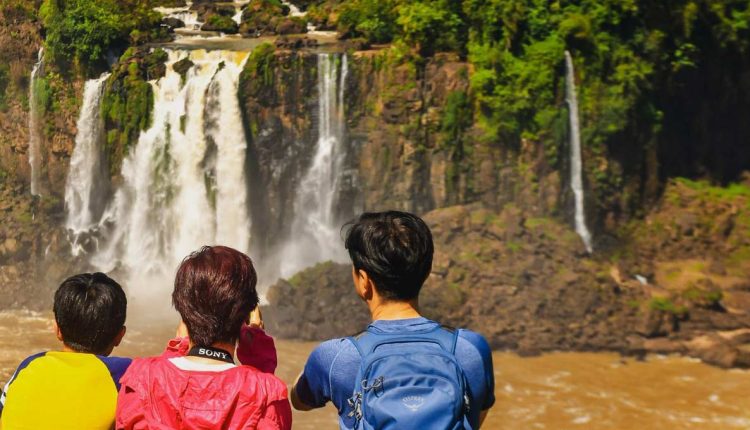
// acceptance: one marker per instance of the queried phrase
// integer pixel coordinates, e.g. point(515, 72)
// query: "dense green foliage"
point(640, 65)
point(84, 32)
point(222, 23)
point(259, 71)
point(128, 102)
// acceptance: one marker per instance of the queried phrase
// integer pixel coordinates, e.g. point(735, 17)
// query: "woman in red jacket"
point(196, 384)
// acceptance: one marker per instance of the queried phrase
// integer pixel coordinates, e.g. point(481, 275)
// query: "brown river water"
point(554, 391)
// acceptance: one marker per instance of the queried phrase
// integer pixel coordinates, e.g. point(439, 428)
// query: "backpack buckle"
point(355, 403)
point(377, 385)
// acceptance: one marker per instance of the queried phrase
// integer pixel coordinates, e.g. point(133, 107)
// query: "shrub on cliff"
point(221, 23)
point(257, 78)
point(84, 33)
point(128, 101)
point(270, 17)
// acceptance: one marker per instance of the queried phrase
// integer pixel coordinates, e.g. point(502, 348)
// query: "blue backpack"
point(409, 381)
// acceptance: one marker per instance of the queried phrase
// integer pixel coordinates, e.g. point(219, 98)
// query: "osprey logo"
point(413, 402)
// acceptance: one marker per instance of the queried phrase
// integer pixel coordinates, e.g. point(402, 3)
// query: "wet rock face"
point(34, 251)
point(419, 149)
point(278, 98)
point(20, 39)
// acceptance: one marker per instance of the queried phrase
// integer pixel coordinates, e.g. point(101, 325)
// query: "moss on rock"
point(128, 101)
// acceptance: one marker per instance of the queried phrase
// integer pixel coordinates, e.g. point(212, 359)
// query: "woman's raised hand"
point(256, 318)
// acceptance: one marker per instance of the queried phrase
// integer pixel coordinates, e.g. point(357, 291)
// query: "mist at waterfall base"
point(185, 185)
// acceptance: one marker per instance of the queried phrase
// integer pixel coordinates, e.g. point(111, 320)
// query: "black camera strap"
point(212, 353)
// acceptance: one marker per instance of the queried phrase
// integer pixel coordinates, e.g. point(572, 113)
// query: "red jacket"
point(156, 394)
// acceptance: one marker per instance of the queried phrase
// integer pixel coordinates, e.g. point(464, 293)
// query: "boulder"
point(315, 304)
point(173, 22)
point(220, 23)
point(183, 66)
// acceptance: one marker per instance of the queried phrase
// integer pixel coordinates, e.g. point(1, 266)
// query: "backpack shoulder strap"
point(354, 339)
point(454, 341)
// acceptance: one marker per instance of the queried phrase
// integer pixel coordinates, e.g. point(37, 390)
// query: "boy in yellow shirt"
point(75, 388)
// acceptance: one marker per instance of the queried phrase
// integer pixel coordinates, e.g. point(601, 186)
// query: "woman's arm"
point(257, 349)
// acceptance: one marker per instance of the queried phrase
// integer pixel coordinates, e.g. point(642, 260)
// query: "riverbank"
point(557, 391)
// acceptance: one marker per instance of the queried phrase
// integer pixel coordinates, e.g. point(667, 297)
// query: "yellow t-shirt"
point(63, 390)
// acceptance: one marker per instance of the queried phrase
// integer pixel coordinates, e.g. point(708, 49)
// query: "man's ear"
point(119, 336)
point(58, 332)
point(364, 285)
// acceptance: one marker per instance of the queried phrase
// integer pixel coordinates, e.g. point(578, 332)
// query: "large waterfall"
point(183, 184)
point(315, 232)
point(35, 132)
point(87, 180)
point(576, 165)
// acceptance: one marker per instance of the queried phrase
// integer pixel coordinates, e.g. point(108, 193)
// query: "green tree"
point(85, 32)
point(429, 26)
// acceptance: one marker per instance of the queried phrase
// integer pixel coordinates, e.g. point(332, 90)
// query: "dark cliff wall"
point(279, 98)
point(421, 148)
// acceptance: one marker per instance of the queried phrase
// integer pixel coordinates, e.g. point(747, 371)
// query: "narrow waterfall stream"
point(315, 232)
point(88, 175)
point(576, 164)
point(35, 132)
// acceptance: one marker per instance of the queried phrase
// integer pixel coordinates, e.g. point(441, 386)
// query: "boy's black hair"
point(90, 311)
point(394, 248)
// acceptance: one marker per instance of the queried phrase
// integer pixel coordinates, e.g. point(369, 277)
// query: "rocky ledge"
point(528, 285)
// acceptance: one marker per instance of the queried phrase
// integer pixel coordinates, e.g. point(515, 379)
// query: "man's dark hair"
point(90, 311)
point(214, 292)
point(394, 248)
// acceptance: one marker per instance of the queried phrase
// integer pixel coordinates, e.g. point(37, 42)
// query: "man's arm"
point(297, 403)
point(312, 389)
point(483, 416)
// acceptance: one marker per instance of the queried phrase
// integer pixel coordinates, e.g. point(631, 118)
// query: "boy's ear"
point(119, 336)
point(58, 332)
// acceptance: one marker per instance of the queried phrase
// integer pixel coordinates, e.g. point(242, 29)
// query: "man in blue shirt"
point(391, 256)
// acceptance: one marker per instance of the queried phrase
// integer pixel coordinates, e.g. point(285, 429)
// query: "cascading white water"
point(184, 14)
point(576, 164)
point(184, 182)
point(315, 236)
point(293, 9)
point(87, 172)
point(237, 17)
point(35, 132)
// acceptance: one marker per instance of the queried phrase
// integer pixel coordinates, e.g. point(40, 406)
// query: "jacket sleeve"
point(278, 416)
point(130, 407)
point(257, 349)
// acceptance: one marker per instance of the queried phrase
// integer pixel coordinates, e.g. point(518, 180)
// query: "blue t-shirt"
point(331, 370)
